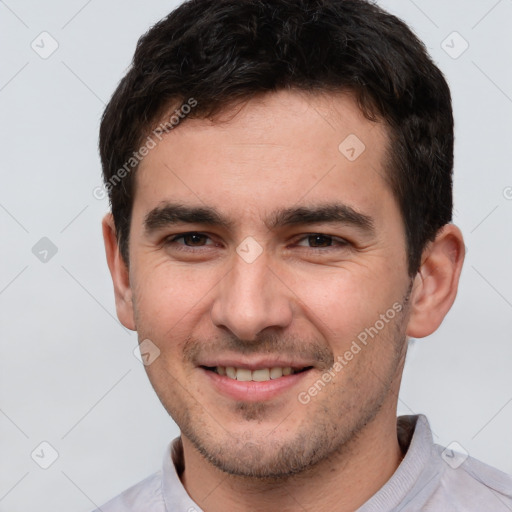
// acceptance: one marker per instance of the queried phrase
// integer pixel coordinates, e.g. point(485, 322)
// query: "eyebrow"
point(169, 214)
point(332, 213)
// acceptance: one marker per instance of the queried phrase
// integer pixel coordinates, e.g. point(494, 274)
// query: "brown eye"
point(319, 240)
point(191, 239)
point(194, 239)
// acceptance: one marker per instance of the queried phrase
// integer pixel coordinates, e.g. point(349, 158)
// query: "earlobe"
point(120, 274)
point(435, 285)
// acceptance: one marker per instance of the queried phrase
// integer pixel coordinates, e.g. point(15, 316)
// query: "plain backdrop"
point(69, 377)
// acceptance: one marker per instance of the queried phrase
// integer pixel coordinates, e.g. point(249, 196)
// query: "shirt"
point(429, 478)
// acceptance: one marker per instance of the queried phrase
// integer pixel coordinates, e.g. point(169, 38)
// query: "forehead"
point(281, 149)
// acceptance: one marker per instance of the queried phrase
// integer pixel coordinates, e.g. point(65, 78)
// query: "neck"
point(343, 482)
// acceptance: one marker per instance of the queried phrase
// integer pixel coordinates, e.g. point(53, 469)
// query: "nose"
point(250, 298)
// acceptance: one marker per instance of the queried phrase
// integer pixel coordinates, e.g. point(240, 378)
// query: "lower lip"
point(251, 391)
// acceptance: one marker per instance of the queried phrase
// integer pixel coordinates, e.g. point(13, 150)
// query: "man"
point(280, 175)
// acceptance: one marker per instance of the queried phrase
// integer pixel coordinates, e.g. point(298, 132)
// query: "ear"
point(120, 274)
point(435, 285)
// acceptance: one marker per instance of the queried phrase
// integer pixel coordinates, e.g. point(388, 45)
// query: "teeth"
point(275, 373)
point(261, 375)
point(243, 374)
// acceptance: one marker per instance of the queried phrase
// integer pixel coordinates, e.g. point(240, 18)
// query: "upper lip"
point(255, 364)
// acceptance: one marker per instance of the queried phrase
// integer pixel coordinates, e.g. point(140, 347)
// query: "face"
point(268, 265)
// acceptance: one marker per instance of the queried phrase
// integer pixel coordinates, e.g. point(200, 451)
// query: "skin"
point(298, 298)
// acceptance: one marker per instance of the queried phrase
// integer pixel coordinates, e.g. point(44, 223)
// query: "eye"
point(319, 240)
point(192, 239)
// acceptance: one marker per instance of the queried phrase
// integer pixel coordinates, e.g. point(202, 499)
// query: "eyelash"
point(335, 241)
point(181, 247)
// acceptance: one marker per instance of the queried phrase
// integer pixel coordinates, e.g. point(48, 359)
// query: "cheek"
point(344, 302)
point(167, 294)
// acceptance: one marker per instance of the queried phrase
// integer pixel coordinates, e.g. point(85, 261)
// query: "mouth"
point(256, 384)
point(256, 375)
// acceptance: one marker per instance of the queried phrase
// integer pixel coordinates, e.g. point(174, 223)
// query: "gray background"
point(68, 373)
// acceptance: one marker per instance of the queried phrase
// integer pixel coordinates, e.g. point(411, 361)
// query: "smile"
point(259, 375)
point(256, 384)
